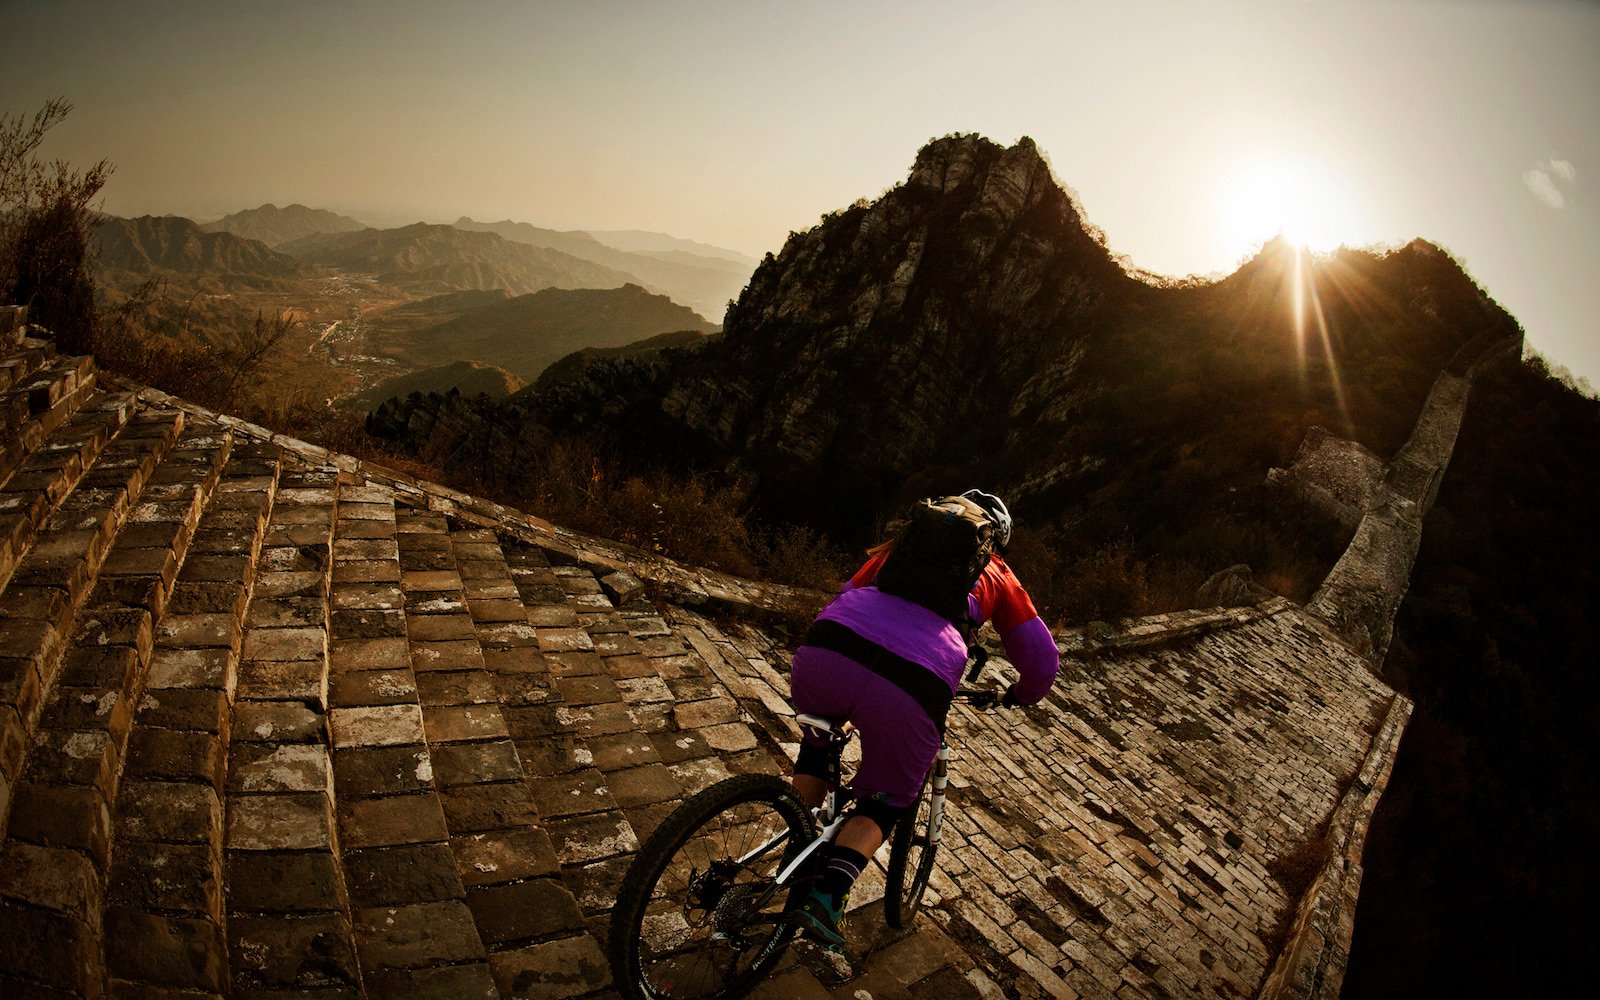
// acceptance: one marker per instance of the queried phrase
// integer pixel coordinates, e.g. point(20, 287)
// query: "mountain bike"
point(703, 910)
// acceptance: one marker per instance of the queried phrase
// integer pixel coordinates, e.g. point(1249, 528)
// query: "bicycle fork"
point(941, 778)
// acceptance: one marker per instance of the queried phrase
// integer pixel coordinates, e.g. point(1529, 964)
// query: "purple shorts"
point(898, 740)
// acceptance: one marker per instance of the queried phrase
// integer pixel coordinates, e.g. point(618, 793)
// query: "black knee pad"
point(876, 807)
point(812, 760)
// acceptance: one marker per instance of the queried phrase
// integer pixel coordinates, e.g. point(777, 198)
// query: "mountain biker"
point(890, 666)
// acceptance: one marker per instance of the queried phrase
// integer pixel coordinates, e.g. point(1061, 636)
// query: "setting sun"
point(1268, 197)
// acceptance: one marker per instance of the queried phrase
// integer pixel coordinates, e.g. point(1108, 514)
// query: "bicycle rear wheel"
point(699, 914)
point(910, 863)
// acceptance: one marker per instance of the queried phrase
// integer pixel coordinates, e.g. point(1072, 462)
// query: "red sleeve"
point(869, 571)
point(1001, 598)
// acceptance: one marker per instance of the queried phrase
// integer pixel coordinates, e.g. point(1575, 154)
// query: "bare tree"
point(45, 228)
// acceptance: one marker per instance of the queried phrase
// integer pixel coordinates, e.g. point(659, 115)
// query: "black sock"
point(840, 873)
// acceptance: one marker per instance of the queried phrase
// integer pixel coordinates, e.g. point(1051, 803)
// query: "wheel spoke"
point(691, 920)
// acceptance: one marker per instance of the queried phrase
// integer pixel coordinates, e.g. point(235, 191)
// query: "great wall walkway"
point(275, 723)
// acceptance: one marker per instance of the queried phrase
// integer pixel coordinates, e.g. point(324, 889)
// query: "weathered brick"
point(358, 688)
point(416, 935)
point(592, 837)
point(470, 763)
point(523, 911)
point(583, 791)
point(448, 982)
point(174, 877)
point(62, 816)
point(298, 951)
point(452, 723)
point(168, 810)
point(287, 767)
point(192, 668)
point(278, 722)
point(463, 654)
point(567, 967)
point(396, 819)
point(456, 687)
point(470, 808)
point(383, 770)
point(283, 881)
point(380, 725)
point(176, 756)
point(496, 856)
point(410, 873)
point(281, 822)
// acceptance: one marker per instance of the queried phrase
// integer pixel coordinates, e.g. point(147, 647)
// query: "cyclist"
point(891, 666)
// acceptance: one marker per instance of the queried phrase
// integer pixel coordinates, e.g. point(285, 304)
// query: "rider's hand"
point(1009, 700)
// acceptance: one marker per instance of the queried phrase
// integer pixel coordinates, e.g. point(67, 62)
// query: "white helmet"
point(996, 509)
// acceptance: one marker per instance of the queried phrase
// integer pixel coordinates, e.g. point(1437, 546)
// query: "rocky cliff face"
point(970, 327)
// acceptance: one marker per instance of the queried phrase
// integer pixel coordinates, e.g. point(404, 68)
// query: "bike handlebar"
point(980, 699)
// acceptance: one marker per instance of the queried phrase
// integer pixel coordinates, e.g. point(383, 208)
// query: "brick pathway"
point(274, 724)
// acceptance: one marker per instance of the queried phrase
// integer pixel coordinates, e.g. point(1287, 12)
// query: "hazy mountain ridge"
point(704, 283)
point(151, 245)
point(429, 258)
point(648, 242)
point(526, 333)
point(276, 226)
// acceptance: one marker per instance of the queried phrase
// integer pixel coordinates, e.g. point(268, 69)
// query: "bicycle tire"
point(671, 928)
point(910, 854)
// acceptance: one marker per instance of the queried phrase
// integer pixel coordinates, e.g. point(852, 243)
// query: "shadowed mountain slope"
point(155, 245)
point(469, 378)
point(528, 332)
point(970, 326)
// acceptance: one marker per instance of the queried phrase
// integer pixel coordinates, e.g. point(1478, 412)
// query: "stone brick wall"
point(275, 721)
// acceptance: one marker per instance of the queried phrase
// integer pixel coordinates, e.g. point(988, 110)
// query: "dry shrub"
point(1104, 586)
point(803, 557)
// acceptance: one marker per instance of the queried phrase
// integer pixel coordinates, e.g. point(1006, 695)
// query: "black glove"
point(1010, 698)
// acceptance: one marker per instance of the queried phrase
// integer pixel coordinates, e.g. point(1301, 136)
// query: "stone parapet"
point(1361, 595)
point(1312, 963)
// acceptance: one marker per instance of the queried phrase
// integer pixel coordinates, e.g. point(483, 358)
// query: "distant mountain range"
point(152, 245)
point(704, 282)
point(643, 241)
point(276, 226)
point(525, 334)
point(431, 259)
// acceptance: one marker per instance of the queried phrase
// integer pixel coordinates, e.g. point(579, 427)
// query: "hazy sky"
point(1190, 131)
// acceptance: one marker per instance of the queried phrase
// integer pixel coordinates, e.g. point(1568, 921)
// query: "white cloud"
point(1545, 180)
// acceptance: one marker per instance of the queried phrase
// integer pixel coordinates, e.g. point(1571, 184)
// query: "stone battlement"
point(274, 721)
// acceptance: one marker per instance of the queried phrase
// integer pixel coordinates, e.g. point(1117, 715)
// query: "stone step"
point(44, 478)
point(74, 760)
point(39, 609)
point(23, 357)
point(39, 403)
point(434, 816)
point(164, 915)
point(288, 921)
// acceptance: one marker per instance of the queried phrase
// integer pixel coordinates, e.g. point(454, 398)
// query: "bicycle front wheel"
point(910, 863)
point(699, 913)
